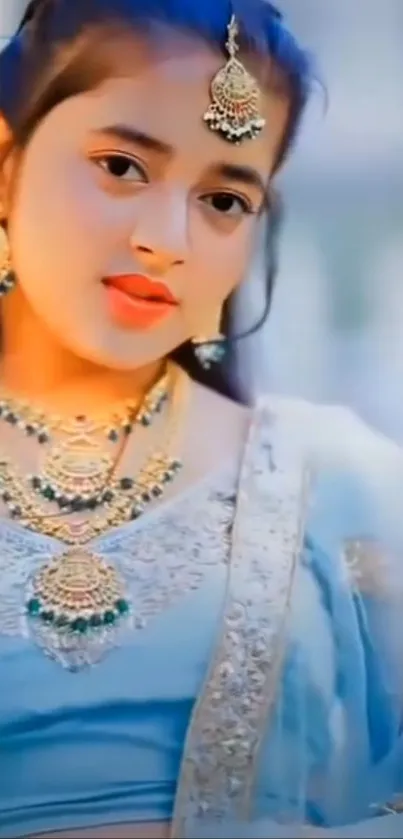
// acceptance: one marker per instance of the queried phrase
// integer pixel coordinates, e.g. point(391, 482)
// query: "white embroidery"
point(232, 712)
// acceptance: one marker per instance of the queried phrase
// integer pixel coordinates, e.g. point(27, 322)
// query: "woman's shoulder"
point(354, 515)
point(333, 437)
point(338, 445)
point(356, 472)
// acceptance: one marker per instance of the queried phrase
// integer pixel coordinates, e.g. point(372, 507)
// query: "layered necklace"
point(76, 471)
point(77, 603)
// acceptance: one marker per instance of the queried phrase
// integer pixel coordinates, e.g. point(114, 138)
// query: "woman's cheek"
point(220, 258)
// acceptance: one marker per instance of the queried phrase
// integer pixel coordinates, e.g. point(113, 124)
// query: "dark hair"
point(52, 57)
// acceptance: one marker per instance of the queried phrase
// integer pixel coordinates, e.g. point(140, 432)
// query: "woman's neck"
point(35, 366)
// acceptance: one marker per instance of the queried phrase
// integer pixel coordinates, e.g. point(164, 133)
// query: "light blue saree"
point(259, 691)
point(298, 728)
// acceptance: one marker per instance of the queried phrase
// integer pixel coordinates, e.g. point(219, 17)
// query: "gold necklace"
point(77, 468)
point(35, 422)
point(128, 498)
point(76, 603)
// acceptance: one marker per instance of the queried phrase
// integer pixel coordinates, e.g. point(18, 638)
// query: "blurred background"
point(336, 329)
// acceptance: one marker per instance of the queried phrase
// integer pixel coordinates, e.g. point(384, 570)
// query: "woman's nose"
point(159, 240)
point(155, 260)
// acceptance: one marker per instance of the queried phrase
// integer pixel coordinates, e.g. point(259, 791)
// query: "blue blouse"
point(104, 745)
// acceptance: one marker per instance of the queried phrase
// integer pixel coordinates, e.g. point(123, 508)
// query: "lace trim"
point(232, 712)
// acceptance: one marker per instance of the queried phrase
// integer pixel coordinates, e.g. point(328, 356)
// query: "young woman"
point(197, 631)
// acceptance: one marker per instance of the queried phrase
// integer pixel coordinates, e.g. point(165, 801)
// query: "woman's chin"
point(118, 349)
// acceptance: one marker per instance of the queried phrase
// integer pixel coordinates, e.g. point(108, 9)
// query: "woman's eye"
point(227, 203)
point(122, 167)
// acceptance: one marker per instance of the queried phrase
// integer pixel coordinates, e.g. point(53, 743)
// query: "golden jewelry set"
point(76, 602)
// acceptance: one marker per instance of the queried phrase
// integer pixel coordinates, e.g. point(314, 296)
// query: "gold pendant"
point(78, 466)
point(235, 108)
point(76, 604)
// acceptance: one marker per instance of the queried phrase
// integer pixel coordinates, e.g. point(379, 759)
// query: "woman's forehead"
point(165, 91)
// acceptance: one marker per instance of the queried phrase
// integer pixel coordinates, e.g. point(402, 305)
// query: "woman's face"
point(123, 187)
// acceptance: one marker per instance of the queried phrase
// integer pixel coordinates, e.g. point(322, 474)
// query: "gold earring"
point(235, 107)
point(209, 347)
point(7, 276)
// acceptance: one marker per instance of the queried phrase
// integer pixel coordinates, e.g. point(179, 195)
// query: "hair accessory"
point(234, 111)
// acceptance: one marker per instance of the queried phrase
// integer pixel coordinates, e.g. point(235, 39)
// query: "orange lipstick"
point(136, 302)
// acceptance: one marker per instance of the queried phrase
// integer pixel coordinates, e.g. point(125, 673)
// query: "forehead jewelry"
point(234, 111)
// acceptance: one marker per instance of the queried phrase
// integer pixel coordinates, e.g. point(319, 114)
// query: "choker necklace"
point(38, 424)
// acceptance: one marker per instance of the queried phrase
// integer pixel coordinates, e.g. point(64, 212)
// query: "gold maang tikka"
point(234, 111)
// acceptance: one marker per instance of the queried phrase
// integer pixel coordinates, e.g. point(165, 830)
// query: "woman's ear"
point(8, 163)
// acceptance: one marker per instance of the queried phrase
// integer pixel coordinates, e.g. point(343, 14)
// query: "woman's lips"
point(136, 302)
